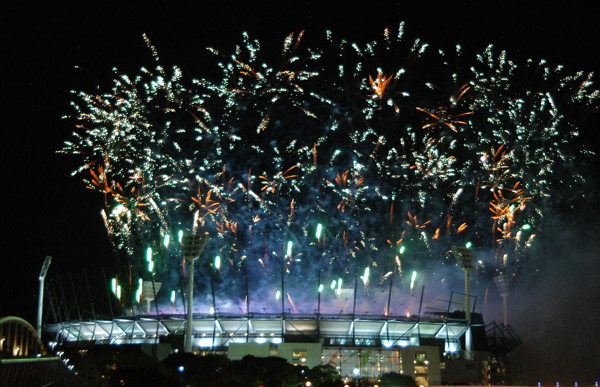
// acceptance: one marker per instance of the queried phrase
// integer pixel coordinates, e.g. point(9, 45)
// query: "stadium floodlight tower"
point(501, 282)
point(149, 291)
point(192, 246)
point(42, 277)
point(464, 257)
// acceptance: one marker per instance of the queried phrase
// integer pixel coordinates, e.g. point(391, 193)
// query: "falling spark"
point(365, 276)
point(292, 303)
point(412, 281)
point(319, 230)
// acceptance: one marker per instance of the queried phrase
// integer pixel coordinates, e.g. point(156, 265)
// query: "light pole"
point(465, 258)
point(149, 291)
point(43, 273)
point(501, 282)
point(192, 246)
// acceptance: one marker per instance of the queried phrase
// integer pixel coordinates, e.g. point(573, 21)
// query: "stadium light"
point(501, 282)
point(464, 257)
point(149, 291)
point(43, 273)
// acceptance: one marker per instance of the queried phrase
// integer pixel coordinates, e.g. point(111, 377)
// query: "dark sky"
point(48, 212)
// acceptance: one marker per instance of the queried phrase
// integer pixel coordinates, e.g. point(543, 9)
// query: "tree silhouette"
point(395, 379)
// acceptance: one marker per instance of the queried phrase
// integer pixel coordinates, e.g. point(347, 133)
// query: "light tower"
point(149, 291)
point(465, 258)
point(43, 273)
point(501, 282)
point(192, 246)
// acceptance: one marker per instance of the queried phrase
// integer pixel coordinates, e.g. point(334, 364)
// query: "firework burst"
point(337, 160)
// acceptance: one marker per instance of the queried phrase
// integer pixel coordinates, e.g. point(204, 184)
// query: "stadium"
point(432, 345)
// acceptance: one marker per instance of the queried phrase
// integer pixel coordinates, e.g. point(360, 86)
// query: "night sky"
point(48, 50)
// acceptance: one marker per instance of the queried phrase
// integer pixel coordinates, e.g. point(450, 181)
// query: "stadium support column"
point(43, 273)
point(468, 334)
point(247, 291)
point(283, 290)
point(192, 246)
point(319, 288)
point(354, 312)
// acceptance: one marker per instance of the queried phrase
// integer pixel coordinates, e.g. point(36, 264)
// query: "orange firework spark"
point(292, 207)
point(249, 70)
point(263, 123)
point(197, 119)
point(498, 166)
point(413, 221)
point(504, 208)
point(379, 85)
point(209, 206)
point(223, 228)
point(440, 116)
point(343, 182)
point(270, 185)
point(288, 42)
point(101, 182)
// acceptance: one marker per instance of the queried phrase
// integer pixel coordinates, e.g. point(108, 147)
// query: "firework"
point(338, 159)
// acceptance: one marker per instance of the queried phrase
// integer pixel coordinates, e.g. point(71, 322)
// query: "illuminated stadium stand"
point(214, 332)
point(373, 344)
